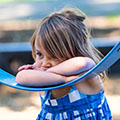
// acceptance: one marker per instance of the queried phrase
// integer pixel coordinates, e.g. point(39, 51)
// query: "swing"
point(105, 63)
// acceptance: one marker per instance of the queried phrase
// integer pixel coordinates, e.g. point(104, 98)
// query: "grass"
point(113, 17)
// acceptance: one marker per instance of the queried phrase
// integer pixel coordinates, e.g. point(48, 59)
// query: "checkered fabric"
point(75, 106)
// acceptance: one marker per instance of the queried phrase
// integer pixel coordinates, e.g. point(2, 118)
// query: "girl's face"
point(43, 60)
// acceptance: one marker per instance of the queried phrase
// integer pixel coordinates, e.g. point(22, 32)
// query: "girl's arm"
point(62, 73)
point(41, 78)
point(38, 78)
point(73, 66)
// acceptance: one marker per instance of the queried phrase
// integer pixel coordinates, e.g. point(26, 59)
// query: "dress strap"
point(73, 88)
point(45, 97)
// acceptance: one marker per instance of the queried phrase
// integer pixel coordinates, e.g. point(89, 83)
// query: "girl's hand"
point(70, 78)
point(73, 77)
point(26, 67)
point(32, 67)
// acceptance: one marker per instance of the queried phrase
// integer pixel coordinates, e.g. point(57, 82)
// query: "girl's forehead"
point(40, 48)
point(37, 45)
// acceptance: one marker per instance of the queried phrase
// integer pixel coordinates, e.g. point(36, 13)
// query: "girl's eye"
point(40, 55)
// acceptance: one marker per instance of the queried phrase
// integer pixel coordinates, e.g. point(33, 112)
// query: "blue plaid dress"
point(75, 106)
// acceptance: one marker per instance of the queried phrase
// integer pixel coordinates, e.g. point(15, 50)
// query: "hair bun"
point(74, 14)
point(81, 18)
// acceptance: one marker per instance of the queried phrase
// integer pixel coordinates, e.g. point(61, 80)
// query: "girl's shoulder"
point(76, 91)
point(91, 87)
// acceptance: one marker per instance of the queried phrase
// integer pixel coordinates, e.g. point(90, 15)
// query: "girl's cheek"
point(38, 63)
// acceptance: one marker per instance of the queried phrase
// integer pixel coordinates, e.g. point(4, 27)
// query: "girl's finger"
point(25, 67)
point(21, 68)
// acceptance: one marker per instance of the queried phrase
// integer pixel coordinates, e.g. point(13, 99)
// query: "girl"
point(63, 52)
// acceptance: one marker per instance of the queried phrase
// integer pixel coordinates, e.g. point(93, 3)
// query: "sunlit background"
point(18, 20)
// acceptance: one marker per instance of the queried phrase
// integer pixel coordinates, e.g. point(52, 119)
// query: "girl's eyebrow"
point(37, 50)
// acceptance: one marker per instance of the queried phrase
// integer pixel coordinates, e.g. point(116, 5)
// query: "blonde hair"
point(64, 35)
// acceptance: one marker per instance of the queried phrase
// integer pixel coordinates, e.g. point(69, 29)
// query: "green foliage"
point(112, 17)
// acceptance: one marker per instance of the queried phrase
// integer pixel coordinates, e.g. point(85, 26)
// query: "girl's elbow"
point(85, 64)
point(19, 78)
point(89, 63)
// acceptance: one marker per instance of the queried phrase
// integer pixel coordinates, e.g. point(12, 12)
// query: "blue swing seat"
point(105, 63)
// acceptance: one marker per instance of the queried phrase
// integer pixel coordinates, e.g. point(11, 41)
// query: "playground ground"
point(21, 105)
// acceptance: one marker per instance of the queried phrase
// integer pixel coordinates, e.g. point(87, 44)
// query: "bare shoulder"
point(91, 86)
